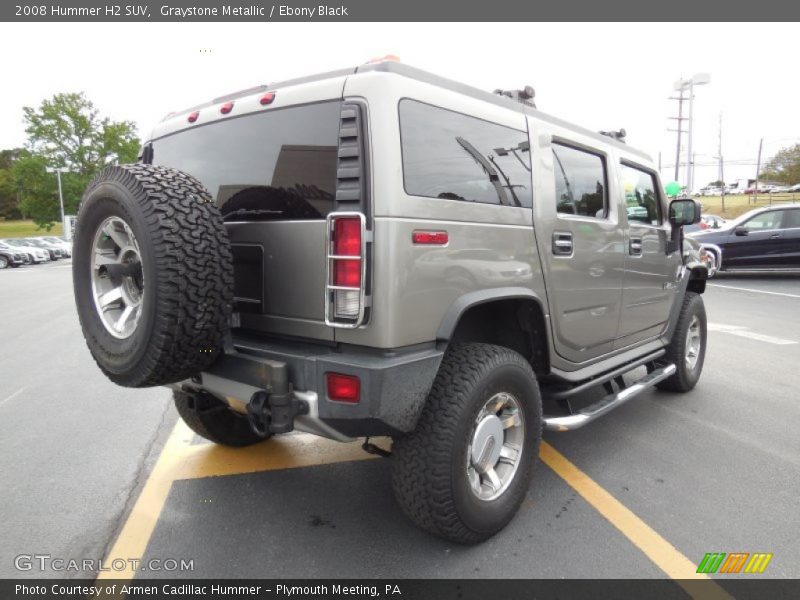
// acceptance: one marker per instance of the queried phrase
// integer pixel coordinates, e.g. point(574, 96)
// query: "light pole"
point(58, 171)
point(688, 84)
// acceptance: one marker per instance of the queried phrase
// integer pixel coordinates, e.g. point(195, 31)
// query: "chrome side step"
point(608, 403)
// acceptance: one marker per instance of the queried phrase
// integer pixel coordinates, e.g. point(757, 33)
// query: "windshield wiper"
point(494, 178)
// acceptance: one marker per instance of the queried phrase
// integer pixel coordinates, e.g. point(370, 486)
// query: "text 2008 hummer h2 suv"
point(383, 252)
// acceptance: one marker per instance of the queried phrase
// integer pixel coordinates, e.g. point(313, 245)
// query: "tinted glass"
point(455, 157)
point(641, 198)
point(791, 219)
point(278, 164)
point(580, 182)
point(765, 221)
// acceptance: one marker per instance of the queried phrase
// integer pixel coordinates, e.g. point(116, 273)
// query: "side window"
point(580, 182)
point(453, 156)
point(791, 219)
point(641, 195)
point(765, 221)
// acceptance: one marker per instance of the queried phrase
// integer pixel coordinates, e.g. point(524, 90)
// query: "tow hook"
point(371, 448)
point(274, 413)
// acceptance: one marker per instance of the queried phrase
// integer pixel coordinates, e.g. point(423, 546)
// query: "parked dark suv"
point(764, 238)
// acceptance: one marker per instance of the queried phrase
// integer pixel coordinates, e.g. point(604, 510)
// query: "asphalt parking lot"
point(91, 470)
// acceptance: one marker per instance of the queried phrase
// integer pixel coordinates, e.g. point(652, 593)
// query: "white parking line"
point(745, 333)
point(17, 393)
point(741, 289)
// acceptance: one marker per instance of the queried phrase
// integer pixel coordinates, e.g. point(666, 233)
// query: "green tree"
point(67, 131)
point(37, 189)
point(9, 205)
point(784, 166)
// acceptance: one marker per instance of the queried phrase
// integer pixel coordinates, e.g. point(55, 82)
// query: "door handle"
point(562, 243)
point(775, 236)
point(635, 246)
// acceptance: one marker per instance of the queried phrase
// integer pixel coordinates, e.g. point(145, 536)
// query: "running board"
point(608, 403)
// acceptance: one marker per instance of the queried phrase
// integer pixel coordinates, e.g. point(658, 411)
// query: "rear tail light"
point(345, 291)
point(343, 388)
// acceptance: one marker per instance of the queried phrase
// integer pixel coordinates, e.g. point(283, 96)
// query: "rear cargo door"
point(273, 175)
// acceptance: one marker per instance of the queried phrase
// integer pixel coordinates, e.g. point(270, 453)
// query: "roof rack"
point(524, 96)
point(617, 135)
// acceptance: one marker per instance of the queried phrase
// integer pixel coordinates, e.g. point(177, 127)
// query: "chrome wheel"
point(117, 278)
point(693, 343)
point(495, 449)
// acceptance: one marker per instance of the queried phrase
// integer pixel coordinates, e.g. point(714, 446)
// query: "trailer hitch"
point(274, 413)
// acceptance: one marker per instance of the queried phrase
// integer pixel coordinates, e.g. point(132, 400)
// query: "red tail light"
point(347, 273)
point(347, 236)
point(346, 256)
point(343, 388)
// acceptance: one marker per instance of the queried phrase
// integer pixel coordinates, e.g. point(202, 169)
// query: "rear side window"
point(580, 182)
point(277, 164)
point(791, 219)
point(453, 156)
point(641, 195)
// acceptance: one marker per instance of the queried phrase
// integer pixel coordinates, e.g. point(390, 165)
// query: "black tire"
point(214, 420)
point(686, 377)
point(429, 472)
point(187, 274)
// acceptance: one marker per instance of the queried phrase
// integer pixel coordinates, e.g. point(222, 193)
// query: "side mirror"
point(684, 211)
point(741, 230)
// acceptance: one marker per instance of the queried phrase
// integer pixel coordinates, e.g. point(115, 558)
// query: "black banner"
point(412, 589)
point(392, 10)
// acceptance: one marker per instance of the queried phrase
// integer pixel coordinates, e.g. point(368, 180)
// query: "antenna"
point(617, 135)
point(523, 96)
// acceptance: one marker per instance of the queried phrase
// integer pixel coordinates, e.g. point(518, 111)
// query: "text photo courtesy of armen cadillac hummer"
point(440, 321)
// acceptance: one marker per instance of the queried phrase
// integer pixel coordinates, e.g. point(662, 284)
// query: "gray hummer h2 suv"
point(380, 251)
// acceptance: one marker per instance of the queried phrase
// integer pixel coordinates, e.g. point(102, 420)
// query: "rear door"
point(790, 240)
point(581, 244)
point(650, 273)
point(273, 175)
point(759, 244)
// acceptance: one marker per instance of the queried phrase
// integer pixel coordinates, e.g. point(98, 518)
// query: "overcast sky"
point(601, 76)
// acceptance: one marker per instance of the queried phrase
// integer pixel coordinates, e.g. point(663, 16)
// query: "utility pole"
point(680, 119)
point(721, 173)
point(682, 85)
point(758, 168)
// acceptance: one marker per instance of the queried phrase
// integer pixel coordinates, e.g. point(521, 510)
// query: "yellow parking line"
point(181, 460)
point(663, 554)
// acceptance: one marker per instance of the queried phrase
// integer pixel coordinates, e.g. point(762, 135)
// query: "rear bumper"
point(394, 383)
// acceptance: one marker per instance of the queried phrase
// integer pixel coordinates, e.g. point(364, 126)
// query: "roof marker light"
point(267, 98)
point(226, 108)
point(193, 117)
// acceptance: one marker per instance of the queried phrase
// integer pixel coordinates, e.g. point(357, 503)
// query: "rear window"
point(278, 164)
point(452, 156)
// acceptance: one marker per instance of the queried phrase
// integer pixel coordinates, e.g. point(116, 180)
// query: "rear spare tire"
point(152, 275)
